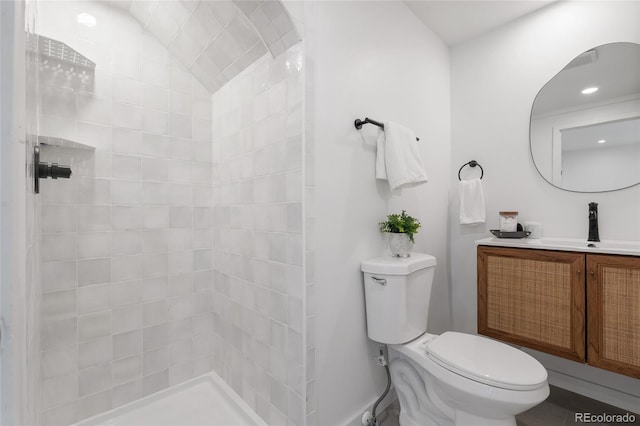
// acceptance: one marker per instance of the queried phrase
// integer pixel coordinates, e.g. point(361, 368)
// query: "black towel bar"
point(358, 124)
point(471, 163)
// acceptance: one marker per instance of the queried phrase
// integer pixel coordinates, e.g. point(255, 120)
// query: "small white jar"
point(508, 221)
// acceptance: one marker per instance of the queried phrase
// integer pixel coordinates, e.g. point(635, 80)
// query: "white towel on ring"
point(472, 208)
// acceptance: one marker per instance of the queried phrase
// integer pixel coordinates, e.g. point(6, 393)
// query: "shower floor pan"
point(205, 400)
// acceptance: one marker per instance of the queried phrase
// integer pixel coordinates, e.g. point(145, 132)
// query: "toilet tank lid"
point(388, 265)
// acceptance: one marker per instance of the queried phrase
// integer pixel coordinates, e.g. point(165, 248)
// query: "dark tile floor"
point(561, 407)
point(558, 410)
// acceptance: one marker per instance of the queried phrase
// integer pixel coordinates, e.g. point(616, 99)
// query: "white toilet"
point(451, 379)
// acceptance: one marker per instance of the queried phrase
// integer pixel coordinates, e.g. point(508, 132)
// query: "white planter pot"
point(399, 244)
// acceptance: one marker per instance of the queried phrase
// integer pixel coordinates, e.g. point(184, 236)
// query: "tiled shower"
point(258, 235)
point(178, 245)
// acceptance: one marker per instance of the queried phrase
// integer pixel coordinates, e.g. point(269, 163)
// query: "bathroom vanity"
point(564, 298)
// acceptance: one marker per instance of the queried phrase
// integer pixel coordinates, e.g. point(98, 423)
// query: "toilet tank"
point(397, 293)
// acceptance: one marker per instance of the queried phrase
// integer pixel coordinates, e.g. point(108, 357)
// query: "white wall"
point(494, 81)
point(374, 59)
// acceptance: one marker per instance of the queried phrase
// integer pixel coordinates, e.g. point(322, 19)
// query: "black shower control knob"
point(57, 171)
point(42, 170)
point(54, 171)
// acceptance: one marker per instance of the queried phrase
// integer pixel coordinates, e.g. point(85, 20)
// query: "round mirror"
point(585, 122)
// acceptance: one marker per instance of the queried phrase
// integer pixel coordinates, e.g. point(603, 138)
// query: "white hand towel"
point(472, 209)
point(398, 159)
point(381, 166)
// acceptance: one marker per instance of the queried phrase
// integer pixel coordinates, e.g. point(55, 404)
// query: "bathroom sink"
point(631, 248)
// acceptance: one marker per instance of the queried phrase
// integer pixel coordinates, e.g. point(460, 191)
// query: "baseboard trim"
point(595, 391)
point(595, 383)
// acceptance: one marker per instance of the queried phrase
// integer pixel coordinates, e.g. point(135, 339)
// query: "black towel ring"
point(471, 163)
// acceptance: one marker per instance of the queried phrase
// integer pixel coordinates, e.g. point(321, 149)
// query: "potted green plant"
point(400, 229)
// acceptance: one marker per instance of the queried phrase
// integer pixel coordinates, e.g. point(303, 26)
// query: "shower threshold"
point(205, 400)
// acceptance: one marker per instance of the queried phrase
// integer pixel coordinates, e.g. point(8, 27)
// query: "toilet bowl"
point(463, 379)
point(449, 379)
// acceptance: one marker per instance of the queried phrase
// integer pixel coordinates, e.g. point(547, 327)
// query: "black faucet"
point(593, 223)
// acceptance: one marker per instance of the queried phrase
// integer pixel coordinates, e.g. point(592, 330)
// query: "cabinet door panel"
point(533, 298)
point(613, 306)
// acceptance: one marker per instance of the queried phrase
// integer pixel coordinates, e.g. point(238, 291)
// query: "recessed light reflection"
point(589, 90)
point(601, 141)
point(86, 19)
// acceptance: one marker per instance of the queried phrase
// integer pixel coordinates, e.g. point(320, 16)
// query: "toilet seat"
point(486, 361)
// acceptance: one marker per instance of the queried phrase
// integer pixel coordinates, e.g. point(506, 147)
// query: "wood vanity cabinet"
point(533, 298)
point(584, 307)
point(613, 313)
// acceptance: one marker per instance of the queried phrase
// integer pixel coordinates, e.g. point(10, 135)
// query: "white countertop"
point(629, 248)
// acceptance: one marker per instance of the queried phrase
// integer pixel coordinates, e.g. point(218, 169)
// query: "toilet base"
point(430, 395)
point(405, 420)
point(466, 419)
point(420, 405)
point(462, 419)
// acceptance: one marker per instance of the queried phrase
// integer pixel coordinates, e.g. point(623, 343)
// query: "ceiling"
point(456, 21)
point(215, 39)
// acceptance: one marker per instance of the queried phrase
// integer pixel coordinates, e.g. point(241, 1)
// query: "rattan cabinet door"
point(613, 312)
point(533, 298)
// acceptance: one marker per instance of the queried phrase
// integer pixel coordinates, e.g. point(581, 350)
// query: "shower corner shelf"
point(63, 143)
point(49, 48)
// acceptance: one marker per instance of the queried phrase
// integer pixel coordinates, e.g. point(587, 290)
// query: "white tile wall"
point(126, 305)
point(308, 196)
point(258, 237)
point(128, 262)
